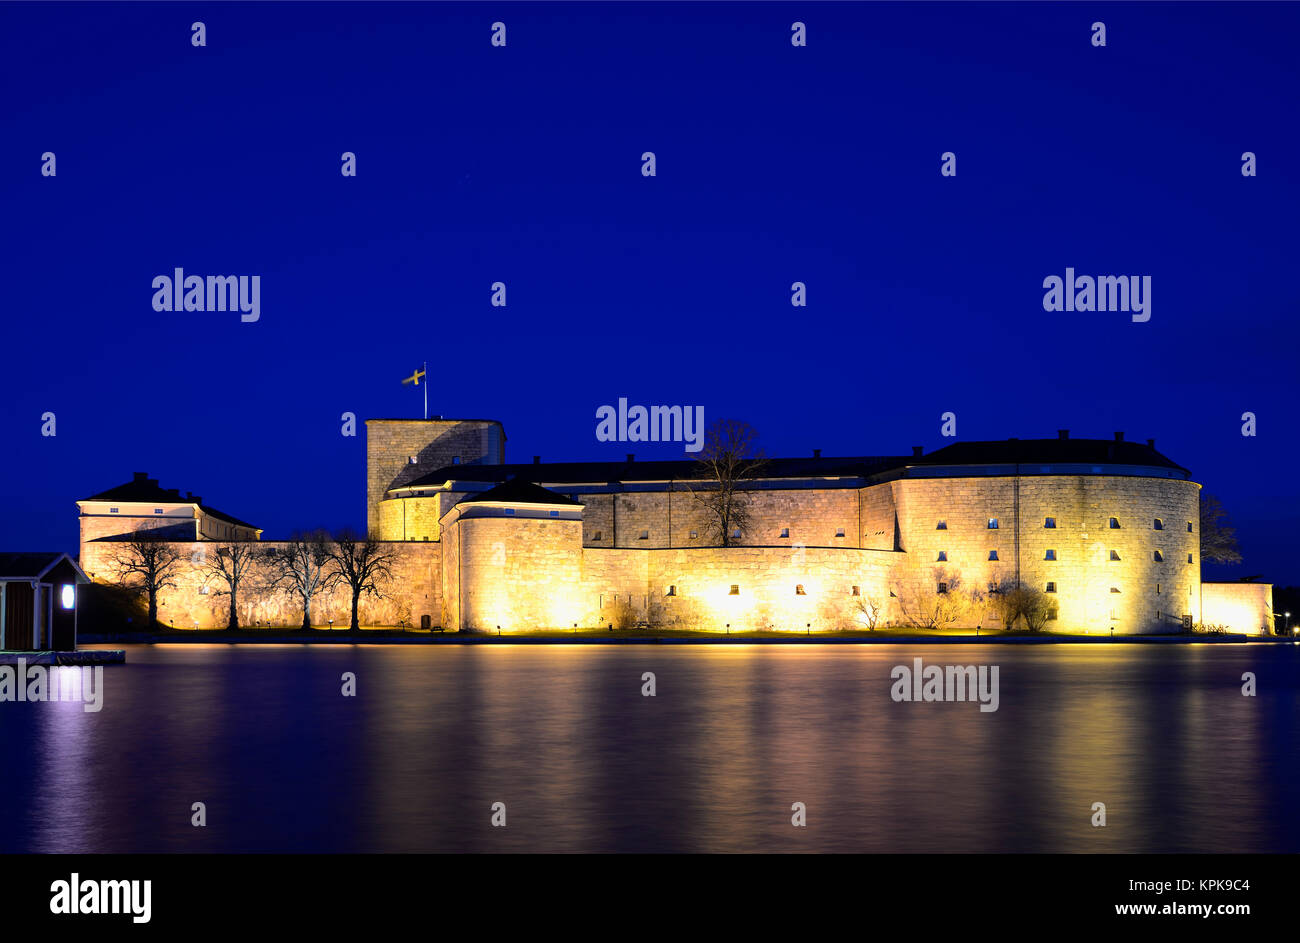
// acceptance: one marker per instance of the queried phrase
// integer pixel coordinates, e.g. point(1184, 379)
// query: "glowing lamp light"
point(68, 596)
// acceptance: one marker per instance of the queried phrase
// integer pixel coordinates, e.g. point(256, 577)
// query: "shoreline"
point(379, 637)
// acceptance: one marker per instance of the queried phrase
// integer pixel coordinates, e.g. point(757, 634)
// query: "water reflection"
point(583, 762)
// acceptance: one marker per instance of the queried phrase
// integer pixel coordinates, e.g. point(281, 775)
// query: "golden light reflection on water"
point(735, 734)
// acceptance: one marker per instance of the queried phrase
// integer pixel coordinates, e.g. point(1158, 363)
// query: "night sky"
point(775, 164)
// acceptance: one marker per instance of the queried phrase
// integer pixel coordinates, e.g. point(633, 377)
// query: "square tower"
point(401, 450)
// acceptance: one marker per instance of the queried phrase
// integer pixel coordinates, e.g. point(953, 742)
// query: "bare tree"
point(147, 563)
point(230, 565)
point(1218, 540)
point(937, 602)
point(303, 568)
point(730, 457)
point(869, 608)
point(1014, 601)
point(362, 564)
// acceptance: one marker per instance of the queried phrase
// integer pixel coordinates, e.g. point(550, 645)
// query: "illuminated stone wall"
point(415, 590)
point(1242, 607)
point(1152, 595)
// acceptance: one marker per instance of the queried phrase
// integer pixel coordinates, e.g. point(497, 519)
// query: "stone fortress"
point(1108, 528)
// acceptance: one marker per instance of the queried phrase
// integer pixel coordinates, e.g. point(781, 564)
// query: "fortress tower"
point(400, 450)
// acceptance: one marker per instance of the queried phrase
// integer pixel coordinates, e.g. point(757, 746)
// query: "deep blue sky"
point(522, 164)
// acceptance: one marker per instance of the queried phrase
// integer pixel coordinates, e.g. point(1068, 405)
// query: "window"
point(1051, 587)
point(67, 596)
point(856, 591)
point(735, 534)
point(735, 590)
point(1189, 558)
point(157, 510)
point(943, 588)
point(943, 556)
point(839, 532)
point(510, 511)
point(785, 532)
point(672, 591)
point(1114, 589)
point(1159, 524)
point(1114, 554)
point(112, 510)
point(942, 525)
point(645, 535)
point(455, 459)
point(1157, 589)
point(694, 534)
point(1158, 556)
point(798, 589)
point(1049, 522)
point(599, 535)
point(1189, 527)
point(993, 554)
point(1114, 523)
point(203, 591)
point(555, 514)
point(993, 523)
point(1051, 555)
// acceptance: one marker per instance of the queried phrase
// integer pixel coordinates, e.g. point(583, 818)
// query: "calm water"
point(584, 762)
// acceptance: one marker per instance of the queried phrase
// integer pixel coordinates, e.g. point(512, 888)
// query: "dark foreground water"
point(583, 762)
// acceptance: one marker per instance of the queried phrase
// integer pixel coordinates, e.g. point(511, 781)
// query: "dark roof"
point(1047, 451)
point(31, 564)
point(142, 489)
point(679, 470)
point(523, 492)
point(1005, 452)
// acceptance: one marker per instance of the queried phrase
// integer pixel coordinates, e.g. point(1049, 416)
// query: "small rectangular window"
point(943, 556)
point(993, 554)
point(157, 510)
point(1159, 524)
point(112, 510)
point(1049, 522)
point(785, 532)
point(510, 511)
point(599, 535)
point(839, 532)
point(555, 514)
point(943, 588)
point(1189, 527)
point(993, 523)
point(942, 525)
point(1114, 523)
point(799, 590)
point(1157, 589)
point(645, 535)
point(1051, 587)
point(1051, 555)
point(1114, 554)
point(735, 590)
point(672, 591)
point(1189, 558)
point(694, 534)
point(1114, 589)
point(1158, 557)
point(857, 591)
point(735, 534)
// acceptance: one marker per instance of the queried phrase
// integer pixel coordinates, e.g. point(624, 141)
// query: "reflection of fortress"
point(1108, 528)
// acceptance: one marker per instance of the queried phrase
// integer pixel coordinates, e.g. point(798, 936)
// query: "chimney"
point(141, 476)
point(631, 456)
point(537, 460)
point(1119, 437)
point(917, 450)
point(1062, 433)
point(817, 453)
point(1151, 443)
